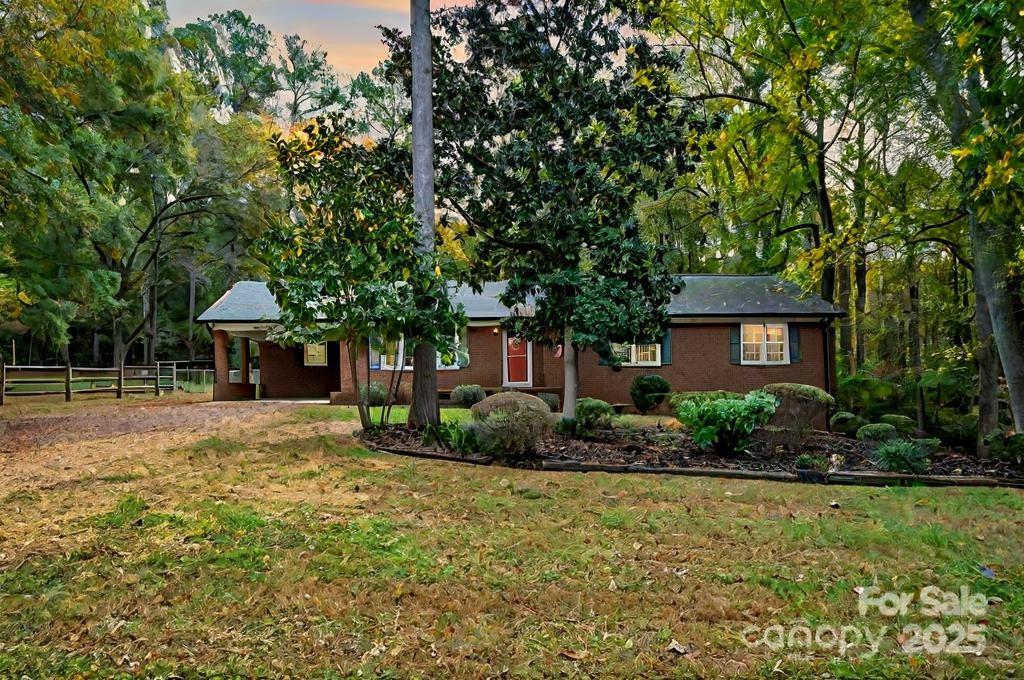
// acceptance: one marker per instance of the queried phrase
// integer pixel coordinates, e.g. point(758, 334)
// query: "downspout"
point(827, 348)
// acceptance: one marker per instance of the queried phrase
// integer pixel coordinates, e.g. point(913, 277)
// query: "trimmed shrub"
point(551, 400)
point(510, 423)
point(677, 398)
point(726, 424)
point(593, 414)
point(876, 432)
point(467, 395)
point(901, 456)
point(512, 402)
point(648, 391)
point(800, 391)
point(846, 423)
point(798, 406)
point(374, 394)
point(511, 433)
point(903, 424)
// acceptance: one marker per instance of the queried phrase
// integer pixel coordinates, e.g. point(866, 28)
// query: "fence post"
point(174, 378)
point(120, 381)
point(156, 382)
point(3, 379)
point(67, 382)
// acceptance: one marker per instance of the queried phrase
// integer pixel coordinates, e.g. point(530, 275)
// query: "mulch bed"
point(649, 449)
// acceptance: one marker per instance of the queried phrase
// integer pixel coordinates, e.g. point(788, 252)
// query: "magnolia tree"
point(553, 119)
point(348, 267)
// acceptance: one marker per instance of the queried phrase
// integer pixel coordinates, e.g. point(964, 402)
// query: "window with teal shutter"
point(794, 343)
point(666, 348)
point(734, 345)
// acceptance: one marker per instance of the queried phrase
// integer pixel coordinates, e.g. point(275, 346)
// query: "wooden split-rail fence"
point(32, 381)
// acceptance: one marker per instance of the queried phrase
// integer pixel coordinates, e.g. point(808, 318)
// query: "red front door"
point(517, 361)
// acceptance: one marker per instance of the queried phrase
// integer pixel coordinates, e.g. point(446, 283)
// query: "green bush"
point(877, 432)
point(866, 394)
point(374, 394)
point(513, 402)
point(846, 423)
point(929, 445)
point(510, 423)
point(511, 433)
point(798, 407)
point(806, 461)
point(648, 391)
point(677, 398)
point(551, 400)
point(467, 395)
point(802, 392)
point(593, 414)
point(903, 424)
point(1006, 446)
point(565, 427)
point(452, 437)
point(726, 424)
point(957, 428)
point(901, 456)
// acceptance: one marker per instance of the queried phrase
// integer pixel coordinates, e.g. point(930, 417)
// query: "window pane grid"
point(763, 344)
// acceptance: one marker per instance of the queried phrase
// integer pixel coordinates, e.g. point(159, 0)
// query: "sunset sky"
point(345, 28)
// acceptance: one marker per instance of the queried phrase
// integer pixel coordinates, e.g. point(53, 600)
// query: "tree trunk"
point(424, 409)
point(861, 275)
point(95, 347)
point(361, 399)
point(570, 377)
point(914, 333)
point(987, 358)
point(990, 276)
point(118, 341)
point(191, 310)
point(846, 323)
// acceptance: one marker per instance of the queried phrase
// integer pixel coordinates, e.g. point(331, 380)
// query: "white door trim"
point(504, 363)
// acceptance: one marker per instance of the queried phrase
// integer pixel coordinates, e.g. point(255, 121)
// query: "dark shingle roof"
point(699, 295)
point(739, 295)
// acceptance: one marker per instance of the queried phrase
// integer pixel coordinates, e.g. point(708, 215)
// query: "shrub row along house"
point(733, 333)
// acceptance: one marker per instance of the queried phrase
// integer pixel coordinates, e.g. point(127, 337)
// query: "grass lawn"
point(274, 544)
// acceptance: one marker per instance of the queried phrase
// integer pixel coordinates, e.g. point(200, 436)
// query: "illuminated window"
point(638, 355)
point(315, 355)
point(764, 344)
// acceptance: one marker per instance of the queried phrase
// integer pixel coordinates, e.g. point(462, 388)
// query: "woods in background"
point(870, 151)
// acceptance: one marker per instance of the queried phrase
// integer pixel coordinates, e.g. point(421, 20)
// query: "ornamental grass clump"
point(901, 456)
point(726, 424)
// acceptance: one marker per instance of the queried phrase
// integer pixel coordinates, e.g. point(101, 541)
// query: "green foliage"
point(453, 437)
point(876, 432)
point(901, 456)
point(806, 461)
point(904, 424)
point(595, 118)
point(677, 398)
point(551, 399)
point(648, 391)
point(467, 395)
point(864, 393)
point(374, 394)
point(593, 415)
point(511, 402)
point(929, 445)
point(802, 392)
point(566, 427)
point(846, 423)
point(726, 424)
point(1007, 446)
point(511, 433)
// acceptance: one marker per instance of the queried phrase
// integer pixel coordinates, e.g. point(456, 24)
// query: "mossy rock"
point(846, 423)
point(903, 424)
point(801, 391)
point(509, 402)
point(877, 432)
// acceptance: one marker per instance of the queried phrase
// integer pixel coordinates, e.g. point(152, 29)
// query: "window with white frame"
point(764, 343)
point(638, 355)
point(314, 355)
point(384, 354)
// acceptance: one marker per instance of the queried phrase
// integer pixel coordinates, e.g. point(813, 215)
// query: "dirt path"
point(102, 420)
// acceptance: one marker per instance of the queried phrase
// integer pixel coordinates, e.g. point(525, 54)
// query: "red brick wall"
point(700, 362)
point(223, 388)
point(284, 376)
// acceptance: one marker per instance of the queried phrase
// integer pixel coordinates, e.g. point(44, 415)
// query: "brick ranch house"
point(726, 332)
